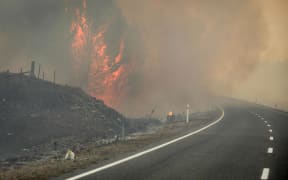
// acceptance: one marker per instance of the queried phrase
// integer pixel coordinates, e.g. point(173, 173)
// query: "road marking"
point(270, 130)
point(265, 173)
point(146, 151)
point(268, 125)
point(265, 122)
point(271, 138)
point(262, 118)
point(270, 150)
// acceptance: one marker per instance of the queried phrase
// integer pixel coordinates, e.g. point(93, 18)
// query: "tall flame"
point(107, 75)
point(80, 30)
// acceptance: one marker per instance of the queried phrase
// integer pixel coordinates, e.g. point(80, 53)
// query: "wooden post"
point(32, 70)
point(39, 71)
point(54, 77)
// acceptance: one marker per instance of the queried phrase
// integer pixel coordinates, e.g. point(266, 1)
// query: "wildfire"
point(106, 74)
point(80, 30)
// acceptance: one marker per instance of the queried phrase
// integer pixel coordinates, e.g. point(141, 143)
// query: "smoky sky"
point(178, 52)
point(195, 49)
point(40, 31)
point(32, 30)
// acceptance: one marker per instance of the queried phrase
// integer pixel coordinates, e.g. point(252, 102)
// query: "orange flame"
point(80, 29)
point(106, 75)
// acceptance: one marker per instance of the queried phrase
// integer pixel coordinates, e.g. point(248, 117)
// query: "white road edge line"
point(146, 151)
point(265, 173)
point(271, 138)
point(270, 150)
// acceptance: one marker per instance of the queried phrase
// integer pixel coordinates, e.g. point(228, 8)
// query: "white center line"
point(268, 125)
point(146, 151)
point(265, 121)
point(265, 173)
point(270, 130)
point(270, 150)
point(262, 118)
point(271, 138)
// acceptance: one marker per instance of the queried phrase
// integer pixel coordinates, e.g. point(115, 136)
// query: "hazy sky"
point(177, 52)
point(269, 81)
point(234, 48)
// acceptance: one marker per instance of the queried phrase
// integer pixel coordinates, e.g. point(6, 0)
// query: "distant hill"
point(33, 111)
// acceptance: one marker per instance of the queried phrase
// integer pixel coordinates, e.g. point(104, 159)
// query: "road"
point(250, 142)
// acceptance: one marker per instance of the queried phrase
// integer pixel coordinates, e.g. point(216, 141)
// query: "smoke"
point(268, 83)
point(33, 30)
point(275, 13)
point(194, 49)
point(173, 52)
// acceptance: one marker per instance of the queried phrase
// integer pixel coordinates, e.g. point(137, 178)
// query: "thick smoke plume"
point(194, 48)
point(144, 55)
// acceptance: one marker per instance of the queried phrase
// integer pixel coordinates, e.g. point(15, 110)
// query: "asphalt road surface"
point(250, 142)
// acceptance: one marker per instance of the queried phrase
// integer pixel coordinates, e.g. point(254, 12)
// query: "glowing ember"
point(106, 75)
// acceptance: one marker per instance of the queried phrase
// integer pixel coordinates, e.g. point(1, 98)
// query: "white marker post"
point(187, 113)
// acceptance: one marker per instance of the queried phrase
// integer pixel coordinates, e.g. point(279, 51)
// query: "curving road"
point(250, 142)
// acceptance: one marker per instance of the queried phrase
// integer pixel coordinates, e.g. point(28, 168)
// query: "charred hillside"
point(34, 111)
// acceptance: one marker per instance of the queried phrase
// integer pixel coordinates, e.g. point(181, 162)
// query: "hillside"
point(34, 112)
point(40, 120)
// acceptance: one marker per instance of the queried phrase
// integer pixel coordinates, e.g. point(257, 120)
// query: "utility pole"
point(187, 113)
point(43, 75)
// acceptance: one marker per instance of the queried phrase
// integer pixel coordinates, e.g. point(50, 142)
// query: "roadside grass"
point(55, 166)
